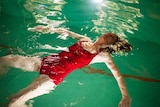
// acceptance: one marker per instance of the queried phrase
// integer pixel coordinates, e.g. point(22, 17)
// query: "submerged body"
point(55, 68)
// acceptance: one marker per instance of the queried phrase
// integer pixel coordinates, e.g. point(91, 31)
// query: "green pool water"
point(136, 20)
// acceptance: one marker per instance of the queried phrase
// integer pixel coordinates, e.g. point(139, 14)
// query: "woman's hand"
point(125, 102)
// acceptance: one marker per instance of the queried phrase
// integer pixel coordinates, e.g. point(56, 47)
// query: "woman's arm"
point(125, 102)
point(48, 29)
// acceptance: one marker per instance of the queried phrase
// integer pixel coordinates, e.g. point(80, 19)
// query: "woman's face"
point(107, 39)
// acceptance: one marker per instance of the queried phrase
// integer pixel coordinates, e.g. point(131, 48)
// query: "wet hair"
point(119, 45)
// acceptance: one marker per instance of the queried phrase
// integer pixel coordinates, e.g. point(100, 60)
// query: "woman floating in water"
point(54, 68)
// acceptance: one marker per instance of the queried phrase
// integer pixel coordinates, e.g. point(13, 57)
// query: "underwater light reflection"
point(97, 1)
point(111, 14)
point(46, 11)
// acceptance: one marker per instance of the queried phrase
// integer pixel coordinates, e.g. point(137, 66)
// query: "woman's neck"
point(90, 47)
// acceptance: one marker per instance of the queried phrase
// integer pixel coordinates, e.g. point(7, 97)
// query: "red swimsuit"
point(57, 67)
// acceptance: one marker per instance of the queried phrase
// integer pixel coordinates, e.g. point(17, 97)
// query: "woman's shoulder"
point(104, 54)
point(101, 57)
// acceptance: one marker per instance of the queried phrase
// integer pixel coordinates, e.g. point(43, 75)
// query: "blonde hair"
point(120, 45)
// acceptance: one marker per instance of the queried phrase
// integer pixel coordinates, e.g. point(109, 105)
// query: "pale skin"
point(33, 64)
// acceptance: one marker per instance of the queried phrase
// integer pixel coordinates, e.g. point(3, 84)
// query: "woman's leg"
point(22, 62)
point(41, 85)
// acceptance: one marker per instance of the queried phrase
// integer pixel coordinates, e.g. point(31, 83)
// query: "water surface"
point(136, 20)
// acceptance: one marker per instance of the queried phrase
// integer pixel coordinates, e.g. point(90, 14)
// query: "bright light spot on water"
point(56, 1)
point(97, 1)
